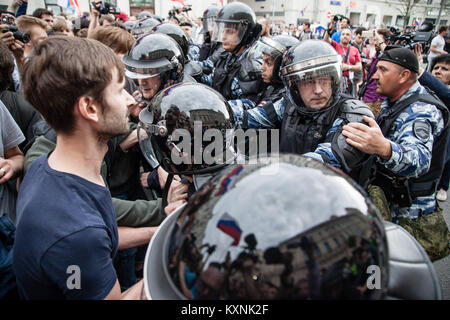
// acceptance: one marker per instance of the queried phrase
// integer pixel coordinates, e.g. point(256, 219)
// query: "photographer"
point(437, 46)
point(8, 37)
point(343, 23)
point(36, 28)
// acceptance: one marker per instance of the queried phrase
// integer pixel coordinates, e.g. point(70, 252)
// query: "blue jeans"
point(7, 277)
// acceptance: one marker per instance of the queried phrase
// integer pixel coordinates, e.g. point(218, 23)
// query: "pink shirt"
point(353, 56)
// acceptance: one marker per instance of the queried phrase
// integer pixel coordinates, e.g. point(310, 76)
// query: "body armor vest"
point(249, 76)
point(403, 190)
point(301, 133)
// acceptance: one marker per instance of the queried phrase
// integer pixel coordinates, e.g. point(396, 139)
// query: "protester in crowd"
point(265, 32)
point(351, 59)
point(16, 47)
point(22, 112)
point(437, 46)
point(45, 15)
point(439, 82)
point(36, 28)
point(11, 161)
point(343, 24)
point(82, 221)
point(368, 91)
point(358, 43)
point(106, 20)
point(306, 33)
point(61, 26)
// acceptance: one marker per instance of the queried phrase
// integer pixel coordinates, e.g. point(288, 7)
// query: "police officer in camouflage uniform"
point(235, 75)
point(408, 141)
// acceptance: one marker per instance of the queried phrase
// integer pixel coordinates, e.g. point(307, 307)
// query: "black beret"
point(403, 57)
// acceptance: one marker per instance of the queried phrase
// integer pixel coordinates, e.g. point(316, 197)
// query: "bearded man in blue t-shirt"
point(67, 235)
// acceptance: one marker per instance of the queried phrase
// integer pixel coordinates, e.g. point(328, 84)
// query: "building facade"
point(367, 13)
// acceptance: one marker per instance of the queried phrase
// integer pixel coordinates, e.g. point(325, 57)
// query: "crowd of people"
point(92, 169)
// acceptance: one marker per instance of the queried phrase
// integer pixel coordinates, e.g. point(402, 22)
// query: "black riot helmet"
point(311, 235)
point(175, 122)
point(274, 47)
point(175, 32)
point(129, 25)
point(240, 18)
point(209, 15)
point(308, 62)
point(154, 55)
point(144, 14)
point(143, 27)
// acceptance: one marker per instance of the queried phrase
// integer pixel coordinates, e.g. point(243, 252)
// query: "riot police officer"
point(143, 27)
point(271, 51)
point(174, 31)
point(235, 75)
point(155, 61)
point(176, 124)
point(210, 50)
point(313, 111)
point(314, 239)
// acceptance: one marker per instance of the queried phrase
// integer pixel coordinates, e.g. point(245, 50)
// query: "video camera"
point(18, 35)
point(338, 17)
point(173, 13)
point(410, 38)
point(105, 8)
point(186, 9)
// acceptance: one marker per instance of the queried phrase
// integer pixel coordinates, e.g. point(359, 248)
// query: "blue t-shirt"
point(66, 235)
point(336, 36)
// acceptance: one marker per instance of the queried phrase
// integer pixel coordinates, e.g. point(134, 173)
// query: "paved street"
point(443, 266)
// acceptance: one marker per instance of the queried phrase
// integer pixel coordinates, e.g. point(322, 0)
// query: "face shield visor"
point(266, 46)
point(229, 33)
point(135, 69)
point(208, 24)
point(325, 72)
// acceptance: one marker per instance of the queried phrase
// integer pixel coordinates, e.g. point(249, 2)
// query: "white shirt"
point(439, 43)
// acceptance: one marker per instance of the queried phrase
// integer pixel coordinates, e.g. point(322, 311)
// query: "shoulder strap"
point(346, 55)
point(271, 113)
point(386, 119)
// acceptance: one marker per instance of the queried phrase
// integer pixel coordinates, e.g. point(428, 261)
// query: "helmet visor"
point(229, 33)
point(145, 69)
point(305, 71)
point(266, 46)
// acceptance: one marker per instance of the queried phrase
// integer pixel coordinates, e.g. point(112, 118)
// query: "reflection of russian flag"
point(416, 23)
point(229, 180)
point(167, 90)
point(230, 226)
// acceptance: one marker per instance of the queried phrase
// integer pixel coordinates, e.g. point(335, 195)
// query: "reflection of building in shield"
point(328, 246)
point(210, 119)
